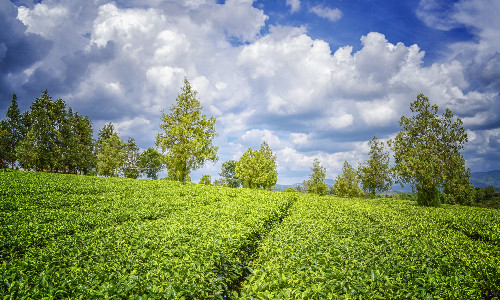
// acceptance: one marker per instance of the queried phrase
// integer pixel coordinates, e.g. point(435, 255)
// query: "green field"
point(68, 236)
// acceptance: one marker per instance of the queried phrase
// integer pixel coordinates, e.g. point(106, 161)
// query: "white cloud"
point(340, 121)
point(332, 14)
point(304, 98)
point(294, 5)
point(300, 139)
point(378, 113)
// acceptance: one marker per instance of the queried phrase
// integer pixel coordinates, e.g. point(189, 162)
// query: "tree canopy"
point(257, 168)
point(375, 174)
point(316, 183)
point(228, 173)
point(150, 163)
point(427, 153)
point(111, 152)
point(347, 183)
point(187, 137)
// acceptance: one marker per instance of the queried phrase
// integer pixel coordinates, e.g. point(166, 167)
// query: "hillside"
point(484, 179)
point(91, 237)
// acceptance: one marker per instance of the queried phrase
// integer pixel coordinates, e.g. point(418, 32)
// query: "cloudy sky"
point(312, 78)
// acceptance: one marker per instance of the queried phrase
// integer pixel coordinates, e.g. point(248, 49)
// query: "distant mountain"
point(478, 179)
point(483, 179)
point(282, 187)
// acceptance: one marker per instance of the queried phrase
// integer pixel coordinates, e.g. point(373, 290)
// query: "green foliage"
point(13, 132)
point(347, 183)
point(49, 137)
point(206, 180)
point(220, 182)
point(333, 248)
point(316, 183)
point(487, 197)
point(427, 154)
point(65, 236)
point(41, 149)
point(150, 162)
point(228, 173)
point(130, 167)
point(187, 135)
point(92, 237)
point(375, 174)
point(111, 155)
point(257, 168)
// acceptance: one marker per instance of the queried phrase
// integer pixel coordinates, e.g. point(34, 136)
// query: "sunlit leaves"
point(187, 135)
point(427, 152)
point(257, 168)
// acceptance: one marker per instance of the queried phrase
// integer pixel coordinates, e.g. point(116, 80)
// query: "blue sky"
point(315, 79)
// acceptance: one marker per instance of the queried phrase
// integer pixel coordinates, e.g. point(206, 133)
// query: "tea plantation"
point(68, 236)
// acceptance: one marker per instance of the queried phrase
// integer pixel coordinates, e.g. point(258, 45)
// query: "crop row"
point(36, 208)
point(378, 249)
point(200, 248)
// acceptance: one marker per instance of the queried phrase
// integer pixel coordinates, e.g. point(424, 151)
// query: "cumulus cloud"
point(332, 14)
point(19, 50)
point(126, 64)
point(294, 5)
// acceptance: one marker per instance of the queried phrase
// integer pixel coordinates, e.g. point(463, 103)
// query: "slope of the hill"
point(484, 179)
point(88, 237)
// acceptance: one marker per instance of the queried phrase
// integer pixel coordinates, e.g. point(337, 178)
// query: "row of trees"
point(427, 157)
point(52, 138)
point(48, 137)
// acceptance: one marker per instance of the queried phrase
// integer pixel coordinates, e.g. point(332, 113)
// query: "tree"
point(77, 145)
point(188, 135)
point(14, 132)
point(130, 167)
point(41, 149)
point(347, 183)
point(220, 182)
point(427, 154)
point(206, 179)
point(83, 144)
point(111, 153)
point(316, 183)
point(228, 172)
point(4, 136)
point(375, 174)
point(257, 168)
point(105, 133)
point(150, 162)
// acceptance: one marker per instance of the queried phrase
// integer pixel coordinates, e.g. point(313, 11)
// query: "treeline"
point(427, 156)
point(50, 137)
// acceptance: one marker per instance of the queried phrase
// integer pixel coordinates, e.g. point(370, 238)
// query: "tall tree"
point(188, 135)
point(427, 152)
point(111, 156)
point(15, 132)
point(4, 136)
point(85, 159)
point(106, 132)
point(257, 168)
point(150, 162)
point(347, 183)
point(130, 166)
point(316, 183)
point(41, 149)
point(375, 174)
point(228, 172)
